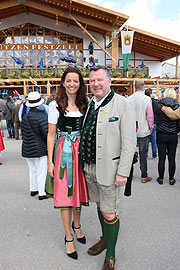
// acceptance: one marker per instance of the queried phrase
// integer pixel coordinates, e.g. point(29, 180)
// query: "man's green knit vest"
point(87, 147)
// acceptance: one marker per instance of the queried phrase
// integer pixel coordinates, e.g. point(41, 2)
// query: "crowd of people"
point(88, 148)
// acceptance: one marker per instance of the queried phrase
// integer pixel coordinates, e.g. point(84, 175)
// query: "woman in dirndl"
point(70, 191)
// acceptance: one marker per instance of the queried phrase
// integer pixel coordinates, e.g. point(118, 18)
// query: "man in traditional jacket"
point(106, 151)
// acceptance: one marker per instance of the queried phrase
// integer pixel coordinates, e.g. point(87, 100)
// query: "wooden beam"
point(105, 10)
point(48, 88)
point(70, 6)
point(169, 57)
point(159, 43)
point(153, 47)
point(179, 92)
point(11, 13)
point(150, 35)
point(65, 14)
point(143, 50)
point(157, 88)
point(115, 49)
point(8, 4)
point(26, 9)
point(177, 66)
point(115, 21)
point(80, 25)
point(25, 89)
point(133, 90)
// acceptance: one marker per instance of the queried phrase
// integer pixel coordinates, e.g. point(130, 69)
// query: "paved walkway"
point(31, 231)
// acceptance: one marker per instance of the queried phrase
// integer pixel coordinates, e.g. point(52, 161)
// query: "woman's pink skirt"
point(80, 193)
point(1, 143)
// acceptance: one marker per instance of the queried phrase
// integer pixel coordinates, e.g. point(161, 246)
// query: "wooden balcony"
point(122, 85)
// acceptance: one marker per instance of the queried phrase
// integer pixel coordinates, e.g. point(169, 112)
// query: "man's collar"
point(98, 103)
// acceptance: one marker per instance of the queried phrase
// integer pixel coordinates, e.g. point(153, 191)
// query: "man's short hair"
point(148, 92)
point(96, 68)
point(139, 85)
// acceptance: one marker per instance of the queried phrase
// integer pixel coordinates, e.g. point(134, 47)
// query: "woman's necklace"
point(72, 104)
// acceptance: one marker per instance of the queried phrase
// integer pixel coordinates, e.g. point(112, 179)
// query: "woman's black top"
point(165, 124)
point(74, 122)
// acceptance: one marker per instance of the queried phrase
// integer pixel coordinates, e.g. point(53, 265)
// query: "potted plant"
point(131, 74)
point(84, 74)
point(117, 75)
point(58, 75)
point(25, 75)
point(36, 75)
point(141, 75)
point(48, 75)
point(12, 75)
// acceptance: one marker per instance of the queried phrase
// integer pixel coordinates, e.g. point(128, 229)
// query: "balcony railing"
point(55, 72)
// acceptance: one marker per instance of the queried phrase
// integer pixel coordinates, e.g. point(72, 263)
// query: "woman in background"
point(167, 138)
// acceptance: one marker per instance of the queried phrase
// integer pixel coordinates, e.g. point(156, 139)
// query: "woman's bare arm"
point(50, 145)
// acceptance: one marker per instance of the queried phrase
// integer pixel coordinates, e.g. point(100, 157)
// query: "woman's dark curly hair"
point(81, 98)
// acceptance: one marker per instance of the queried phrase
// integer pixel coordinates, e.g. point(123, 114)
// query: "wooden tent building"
point(47, 29)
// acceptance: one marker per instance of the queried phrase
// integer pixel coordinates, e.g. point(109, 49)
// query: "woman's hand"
point(58, 133)
point(51, 169)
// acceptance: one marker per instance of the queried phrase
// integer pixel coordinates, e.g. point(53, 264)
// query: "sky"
point(161, 17)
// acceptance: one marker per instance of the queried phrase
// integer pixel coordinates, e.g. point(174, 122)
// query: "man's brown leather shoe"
point(109, 264)
point(147, 179)
point(97, 248)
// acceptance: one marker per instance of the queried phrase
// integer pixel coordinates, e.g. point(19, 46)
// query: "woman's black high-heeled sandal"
point(82, 240)
point(74, 254)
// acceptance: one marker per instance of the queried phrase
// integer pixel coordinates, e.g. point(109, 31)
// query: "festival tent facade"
point(43, 31)
point(74, 24)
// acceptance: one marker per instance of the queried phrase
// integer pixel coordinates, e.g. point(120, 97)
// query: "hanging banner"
point(10, 47)
point(126, 44)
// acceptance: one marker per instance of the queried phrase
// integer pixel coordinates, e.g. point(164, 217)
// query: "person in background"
point(148, 92)
point(1, 147)
point(7, 113)
point(23, 109)
point(70, 191)
point(142, 107)
point(167, 136)
point(91, 48)
point(52, 97)
point(172, 114)
point(15, 118)
point(34, 146)
point(106, 151)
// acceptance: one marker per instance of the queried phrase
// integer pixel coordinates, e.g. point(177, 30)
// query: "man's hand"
point(120, 180)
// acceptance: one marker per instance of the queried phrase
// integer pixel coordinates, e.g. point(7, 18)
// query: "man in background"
point(142, 107)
